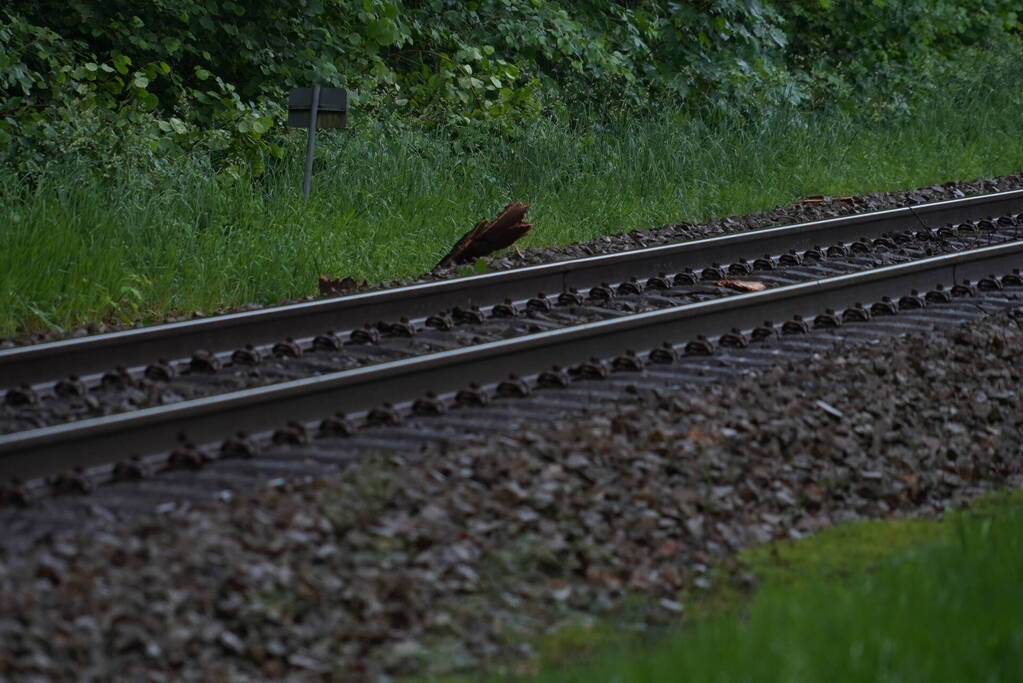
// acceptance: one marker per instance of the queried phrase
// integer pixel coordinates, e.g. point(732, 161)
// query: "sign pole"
point(316, 108)
point(311, 146)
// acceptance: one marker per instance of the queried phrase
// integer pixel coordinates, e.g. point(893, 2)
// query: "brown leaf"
point(336, 286)
point(698, 435)
point(668, 548)
point(742, 285)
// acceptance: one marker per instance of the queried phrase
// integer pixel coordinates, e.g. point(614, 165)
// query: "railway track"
point(213, 369)
point(208, 374)
point(41, 365)
point(651, 330)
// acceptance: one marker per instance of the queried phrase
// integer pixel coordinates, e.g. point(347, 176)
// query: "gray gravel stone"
point(459, 557)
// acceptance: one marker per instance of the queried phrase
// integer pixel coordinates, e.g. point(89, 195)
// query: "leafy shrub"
point(102, 78)
point(892, 49)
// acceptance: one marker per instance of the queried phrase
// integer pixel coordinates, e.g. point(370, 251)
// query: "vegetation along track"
point(40, 365)
point(675, 342)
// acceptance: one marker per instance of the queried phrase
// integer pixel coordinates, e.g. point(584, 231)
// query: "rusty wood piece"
point(487, 237)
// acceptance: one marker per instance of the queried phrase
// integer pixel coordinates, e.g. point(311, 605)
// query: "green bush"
point(101, 77)
point(893, 49)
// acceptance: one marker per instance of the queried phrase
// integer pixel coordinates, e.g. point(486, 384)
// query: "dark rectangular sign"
point(332, 112)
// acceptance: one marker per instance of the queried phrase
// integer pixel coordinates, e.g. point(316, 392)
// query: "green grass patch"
point(834, 553)
point(174, 236)
point(901, 600)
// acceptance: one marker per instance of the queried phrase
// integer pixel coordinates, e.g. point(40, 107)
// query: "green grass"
point(173, 236)
point(879, 601)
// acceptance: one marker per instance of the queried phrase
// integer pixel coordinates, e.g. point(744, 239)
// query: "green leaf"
point(262, 124)
point(201, 73)
point(383, 32)
point(777, 35)
point(121, 63)
point(149, 100)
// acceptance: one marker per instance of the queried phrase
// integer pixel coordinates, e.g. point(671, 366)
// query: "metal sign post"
point(316, 108)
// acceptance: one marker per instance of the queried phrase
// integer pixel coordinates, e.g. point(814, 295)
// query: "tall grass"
point(945, 611)
point(175, 236)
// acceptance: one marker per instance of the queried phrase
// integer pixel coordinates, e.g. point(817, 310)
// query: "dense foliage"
point(78, 75)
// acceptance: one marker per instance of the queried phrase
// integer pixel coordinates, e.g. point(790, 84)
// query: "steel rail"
point(149, 431)
point(38, 363)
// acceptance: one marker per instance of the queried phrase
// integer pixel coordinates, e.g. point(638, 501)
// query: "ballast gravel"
point(812, 209)
point(458, 559)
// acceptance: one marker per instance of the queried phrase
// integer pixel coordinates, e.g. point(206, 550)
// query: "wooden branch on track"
point(487, 237)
